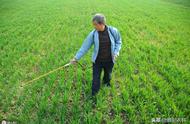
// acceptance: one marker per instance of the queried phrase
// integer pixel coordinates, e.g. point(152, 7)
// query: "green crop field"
point(151, 77)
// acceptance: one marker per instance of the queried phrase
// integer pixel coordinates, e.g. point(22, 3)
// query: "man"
point(107, 44)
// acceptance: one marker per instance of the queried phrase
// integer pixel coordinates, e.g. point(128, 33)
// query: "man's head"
point(99, 21)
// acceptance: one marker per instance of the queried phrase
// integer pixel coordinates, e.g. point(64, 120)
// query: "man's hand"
point(115, 56)
point(73, 61)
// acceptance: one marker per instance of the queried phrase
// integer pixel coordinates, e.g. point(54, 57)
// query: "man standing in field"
point(107, 44)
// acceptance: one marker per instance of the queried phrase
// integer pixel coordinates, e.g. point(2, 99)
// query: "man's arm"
point(87, 43)
point(118, 41)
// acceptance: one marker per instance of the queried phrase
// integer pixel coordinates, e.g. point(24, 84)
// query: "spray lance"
point(52, 71)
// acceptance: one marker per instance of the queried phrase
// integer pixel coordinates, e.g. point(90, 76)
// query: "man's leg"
point(107, 73)
point(97, 69)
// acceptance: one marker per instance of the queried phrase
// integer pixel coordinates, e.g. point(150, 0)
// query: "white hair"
point(99, 18)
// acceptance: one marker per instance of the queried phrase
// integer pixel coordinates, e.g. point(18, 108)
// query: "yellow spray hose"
point(21, 86)
point(44, 75)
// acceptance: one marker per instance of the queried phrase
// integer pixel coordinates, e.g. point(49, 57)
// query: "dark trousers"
point(97, 69)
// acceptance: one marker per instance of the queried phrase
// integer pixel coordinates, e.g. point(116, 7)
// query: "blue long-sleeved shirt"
point(92, 39)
